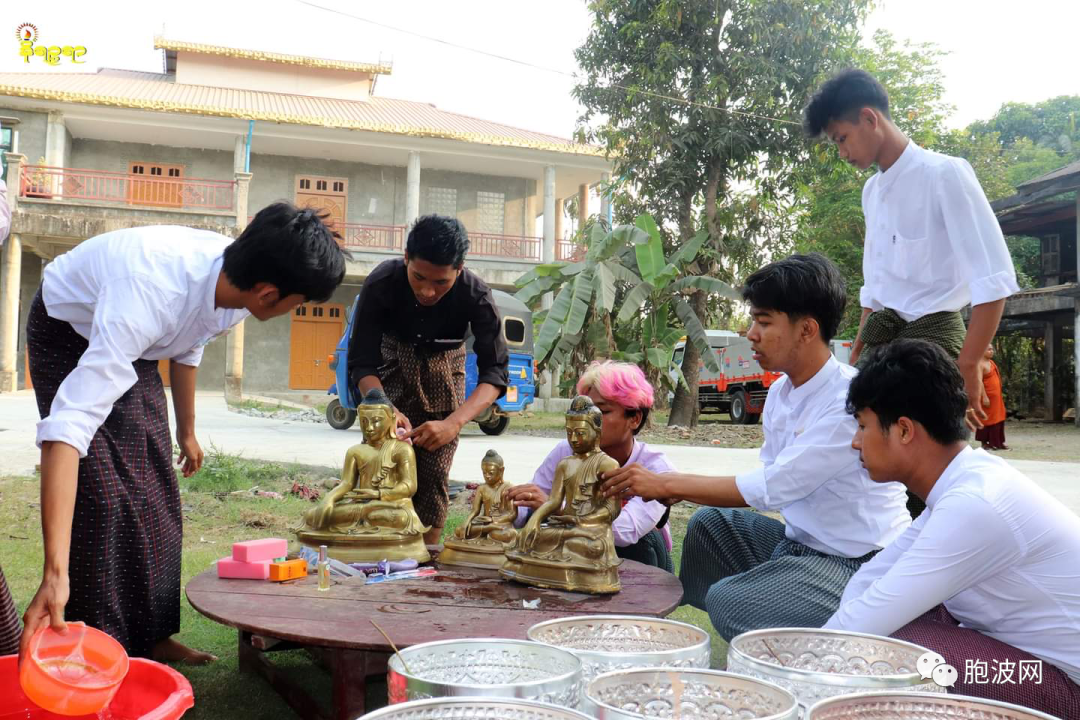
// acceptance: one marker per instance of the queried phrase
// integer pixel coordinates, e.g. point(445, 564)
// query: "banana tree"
point(625, 267)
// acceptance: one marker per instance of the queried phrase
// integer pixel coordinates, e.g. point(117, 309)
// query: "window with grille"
point(7, 140)
point(441, 201)
point(1051, 254)
point(305, 184)
point(335, 312)
point(301, 311)
point(490, 211)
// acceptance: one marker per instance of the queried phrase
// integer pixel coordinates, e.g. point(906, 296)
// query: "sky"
point(999, 51)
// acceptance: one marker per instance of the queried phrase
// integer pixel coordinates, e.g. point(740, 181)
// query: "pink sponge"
point(259, 550)
point(230, 568)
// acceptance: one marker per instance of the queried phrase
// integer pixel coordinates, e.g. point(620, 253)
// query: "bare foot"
point(171, 651)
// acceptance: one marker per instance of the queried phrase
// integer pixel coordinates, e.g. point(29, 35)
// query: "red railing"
point(506, 246)
point(44, 181)
point(568, 251)
point(373, 237)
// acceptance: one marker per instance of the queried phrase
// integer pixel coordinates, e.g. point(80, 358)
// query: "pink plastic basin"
point(151, 691)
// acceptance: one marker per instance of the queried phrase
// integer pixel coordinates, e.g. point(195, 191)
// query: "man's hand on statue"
point(402, 421)
point(973, 384)
point(527, 496)
point(633, 480)
point(433, 434)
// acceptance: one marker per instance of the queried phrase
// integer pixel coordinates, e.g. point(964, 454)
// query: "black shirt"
point(387, 305)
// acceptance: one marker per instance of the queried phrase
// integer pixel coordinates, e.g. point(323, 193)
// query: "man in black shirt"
point(409, 339)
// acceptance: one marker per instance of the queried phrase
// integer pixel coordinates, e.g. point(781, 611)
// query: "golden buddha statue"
point(369, 515)
point(481, 540)
point(567, 544)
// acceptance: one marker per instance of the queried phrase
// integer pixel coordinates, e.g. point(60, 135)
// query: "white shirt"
point(998, 550)
point(144, 293)
point(813, 476)
point(932, 241)
point(638, 517)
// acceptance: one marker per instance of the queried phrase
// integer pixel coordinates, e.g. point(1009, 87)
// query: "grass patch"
point(250, 404)
point(213, 520)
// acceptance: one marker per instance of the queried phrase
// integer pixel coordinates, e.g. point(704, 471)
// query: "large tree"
point(694, 99)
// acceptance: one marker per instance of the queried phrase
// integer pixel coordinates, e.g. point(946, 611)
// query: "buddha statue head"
point(376, 416)
point(492, 467)
point(583, 423)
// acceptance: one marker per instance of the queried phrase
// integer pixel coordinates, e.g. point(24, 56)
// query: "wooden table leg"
point(351, 670)
point(253, 660)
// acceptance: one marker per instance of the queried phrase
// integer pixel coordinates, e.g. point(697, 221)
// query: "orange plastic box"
point(288, 570)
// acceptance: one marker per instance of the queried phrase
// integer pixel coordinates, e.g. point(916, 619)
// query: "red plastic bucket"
point(151, 691)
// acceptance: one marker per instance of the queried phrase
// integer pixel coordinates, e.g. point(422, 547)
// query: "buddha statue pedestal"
point(481, 540)
point(369, 515)
point(567, 544)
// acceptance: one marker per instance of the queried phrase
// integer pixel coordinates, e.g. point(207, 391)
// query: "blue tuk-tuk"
point(516, 321)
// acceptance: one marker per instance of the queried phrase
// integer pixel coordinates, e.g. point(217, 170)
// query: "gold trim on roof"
point(296, 119)
point(380, 68)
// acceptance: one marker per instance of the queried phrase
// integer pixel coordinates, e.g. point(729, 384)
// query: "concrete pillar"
point(583, 205)
point(14, 169)
point(243, 185)
point(234, 364)
point(1051, 352)
point(560, 211)
point(239, 152)
point(10, 282)
point(55, 130)
point(412, 189)
point(551, 219)
point(605, 197)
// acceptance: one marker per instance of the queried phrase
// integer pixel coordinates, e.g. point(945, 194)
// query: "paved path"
point(319, 444)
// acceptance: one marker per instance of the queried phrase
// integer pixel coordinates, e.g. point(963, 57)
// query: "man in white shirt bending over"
point(988, 577)
point(750, 571)
point(932, 245)
point(107, 312)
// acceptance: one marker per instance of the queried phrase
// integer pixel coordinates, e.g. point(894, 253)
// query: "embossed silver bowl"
point(485, 668)
point(475, 708)
point(918, 706)
point(620, 642)
point(816, 664)
point(687, 695)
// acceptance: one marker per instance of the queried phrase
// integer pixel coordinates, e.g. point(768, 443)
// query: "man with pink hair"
point(625, 398)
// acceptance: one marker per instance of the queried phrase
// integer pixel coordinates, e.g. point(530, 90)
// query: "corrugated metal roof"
point(379, 68)
point(159, 92)
point(1070, 169)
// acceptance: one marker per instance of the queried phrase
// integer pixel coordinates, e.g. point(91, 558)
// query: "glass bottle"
point(323, 569)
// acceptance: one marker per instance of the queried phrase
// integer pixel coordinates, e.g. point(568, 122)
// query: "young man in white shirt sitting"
point(107, 312)
point(988, 577)
point(750, 571)
point(932, 244)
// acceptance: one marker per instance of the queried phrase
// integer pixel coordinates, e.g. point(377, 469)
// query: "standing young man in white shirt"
point(106, 313)
point(750, 571)
point(933, 244)
point(993, 562)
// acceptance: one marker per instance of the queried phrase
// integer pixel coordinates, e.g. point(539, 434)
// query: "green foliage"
point(222, 473)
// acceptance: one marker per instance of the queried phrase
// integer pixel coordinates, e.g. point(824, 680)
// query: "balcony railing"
point(568, 251)
point(520, 247)
point(372, 237)
point(48, 182)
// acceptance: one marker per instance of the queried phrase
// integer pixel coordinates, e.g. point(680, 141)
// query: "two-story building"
point(222, 132)
point(1048, 207)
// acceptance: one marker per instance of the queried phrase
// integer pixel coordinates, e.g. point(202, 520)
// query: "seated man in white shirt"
point(993, 562)
point(107, 312)
point(623, 394)
point(932, 244)
point(748, 570)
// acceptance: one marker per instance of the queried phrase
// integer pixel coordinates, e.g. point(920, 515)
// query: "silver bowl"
point(476, 708)
point(485, 668)
point(816, 664)
point(620, 642)
point(686, 694)
point(918, 706)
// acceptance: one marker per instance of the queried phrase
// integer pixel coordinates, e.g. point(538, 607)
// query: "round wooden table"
point(457, 603)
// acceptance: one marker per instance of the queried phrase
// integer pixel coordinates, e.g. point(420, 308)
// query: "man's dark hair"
point(290, 248)
point(841, 97)
point(915, 379)
point(801, 286)
point(439, 239)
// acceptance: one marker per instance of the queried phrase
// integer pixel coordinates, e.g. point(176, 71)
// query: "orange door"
point(29, 383)
point(323, 193)
point(314, 333)
point(163, 369)
point(155, 184)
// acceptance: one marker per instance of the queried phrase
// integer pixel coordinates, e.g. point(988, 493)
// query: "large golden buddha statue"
point(481, 540)
point(567, 544)
point(369, 515)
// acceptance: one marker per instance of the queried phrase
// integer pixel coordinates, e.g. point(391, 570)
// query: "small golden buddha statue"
point(567, 544)
point(481, 540)
point(369, 515)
